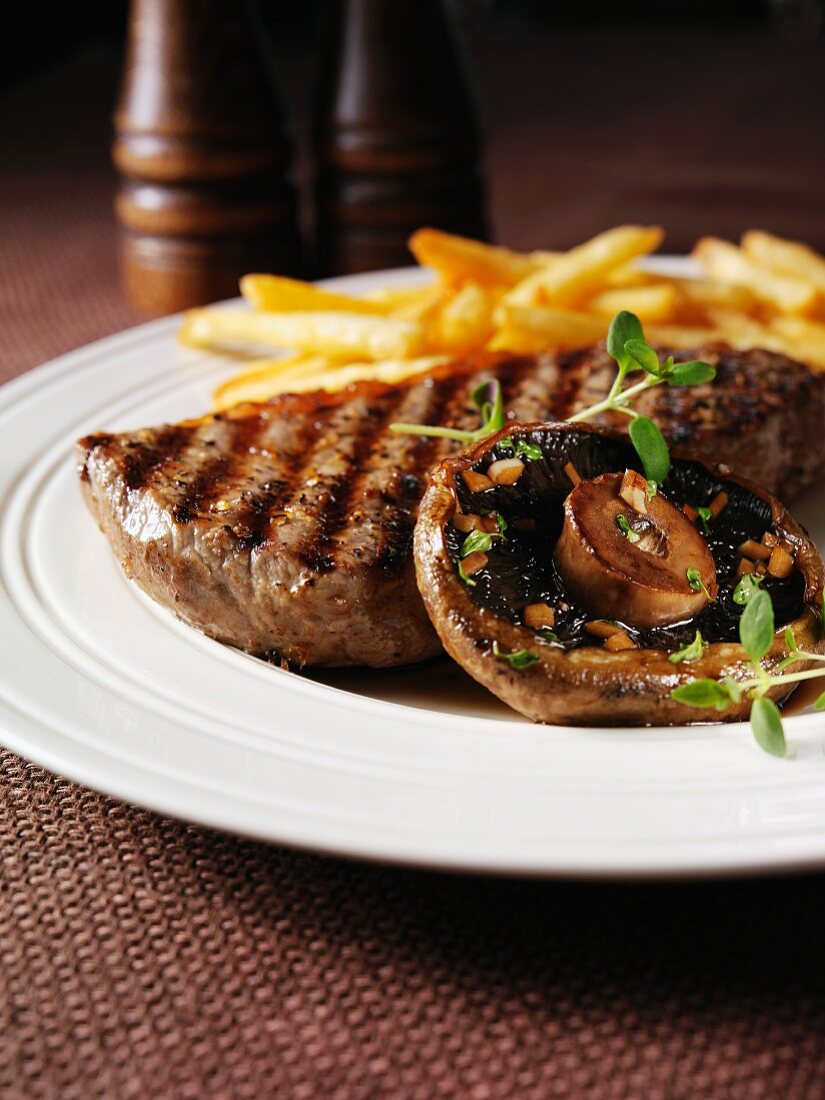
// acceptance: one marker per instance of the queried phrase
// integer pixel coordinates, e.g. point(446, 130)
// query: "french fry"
point(390, 371)
point(558, 328)
point(263, 378)
point(769, 293)
point(543, 257)
point(740, 330)
point(465, 320)
point(682, 336)
point(317, 374)
point(796, 337)
point(802, 339)
point(574, 275)
point(422, 308)
point(457, 259)
point(277, 294)
point(390, 299)
point(698, 295)
point(725, 262)
point(631, 275)
point(656, 302)
point(340, 335)
point(267, 378)
point(518, 341)
point(785, 257)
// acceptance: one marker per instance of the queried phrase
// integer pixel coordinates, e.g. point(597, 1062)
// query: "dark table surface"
point(141, 956)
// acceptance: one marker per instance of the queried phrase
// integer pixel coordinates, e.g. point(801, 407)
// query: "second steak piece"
point(286, 528)
point(762, 416)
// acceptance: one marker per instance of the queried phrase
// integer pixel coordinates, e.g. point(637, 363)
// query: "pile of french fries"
point(766, 292)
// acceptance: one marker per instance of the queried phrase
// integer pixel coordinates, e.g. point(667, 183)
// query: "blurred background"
point(706, 116)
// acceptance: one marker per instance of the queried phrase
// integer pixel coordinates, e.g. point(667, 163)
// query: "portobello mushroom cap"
point(567, 676)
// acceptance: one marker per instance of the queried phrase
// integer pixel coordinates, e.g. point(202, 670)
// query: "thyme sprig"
point(486, 397)
point(756, 632)
point(626, 344)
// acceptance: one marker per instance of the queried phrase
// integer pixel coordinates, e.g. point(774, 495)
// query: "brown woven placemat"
point(142, 957)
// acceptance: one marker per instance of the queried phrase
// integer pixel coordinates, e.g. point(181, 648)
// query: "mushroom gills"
point(522, 569)
point(573, 616)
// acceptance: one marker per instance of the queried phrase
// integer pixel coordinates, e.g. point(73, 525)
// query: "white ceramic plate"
point(418, 766)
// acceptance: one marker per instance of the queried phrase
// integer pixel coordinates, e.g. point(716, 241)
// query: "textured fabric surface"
point(141, 957)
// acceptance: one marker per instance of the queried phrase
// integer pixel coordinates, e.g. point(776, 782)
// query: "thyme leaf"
point(694, 579)
point(519, 659)
point(691, 652)
point(623, 524)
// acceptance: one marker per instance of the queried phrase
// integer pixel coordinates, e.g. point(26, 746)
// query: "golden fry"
point(725, 262)
point(580, 272)
point(631, 275)
point(457, 259)
point(802, 339)
point(277, 294)
point(423, 308)
point(769, 293)
point(741, 330)
point(263, 378)
point(340, 335)
point(390, 371)
point(518, 341)
point(656, 302)
point(267, 378)
point(682, 336)
point(559, 328)
point(465, 320)
point(785, 257)
point(698, 295)
point(390, 299)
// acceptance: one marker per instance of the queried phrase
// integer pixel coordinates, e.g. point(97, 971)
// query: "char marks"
point(145, 455)
point(575, 374)
point(265, 469)
point(513, 378)
point(318, 551)
point(201, 489)
point(220, 469)
point(216, 466)
point(411, 458)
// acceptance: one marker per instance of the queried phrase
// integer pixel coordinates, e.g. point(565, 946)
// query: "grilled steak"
point(286, 528)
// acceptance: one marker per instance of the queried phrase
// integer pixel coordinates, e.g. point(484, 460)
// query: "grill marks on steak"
point(286, 528)
point(762, 415)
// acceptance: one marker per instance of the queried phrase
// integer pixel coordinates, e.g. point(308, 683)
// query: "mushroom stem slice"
point(632, 567)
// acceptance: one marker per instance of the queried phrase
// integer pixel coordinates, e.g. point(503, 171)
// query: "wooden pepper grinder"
point(205, 192)
point(397, 141)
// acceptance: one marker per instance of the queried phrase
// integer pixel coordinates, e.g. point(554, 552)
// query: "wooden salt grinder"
point(205, 193)
point(397, 141)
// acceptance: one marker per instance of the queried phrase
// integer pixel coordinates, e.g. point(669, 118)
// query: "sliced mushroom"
point(564, 551)
point(622, 564)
